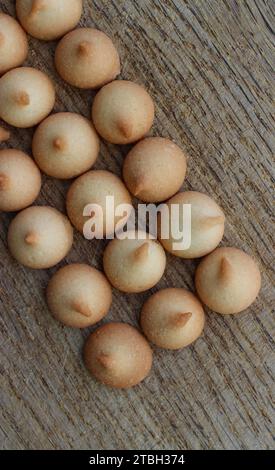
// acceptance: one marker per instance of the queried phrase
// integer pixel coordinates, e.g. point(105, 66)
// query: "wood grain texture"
point(208, 65)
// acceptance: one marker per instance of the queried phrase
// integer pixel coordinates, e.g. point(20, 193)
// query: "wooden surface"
point(208, 65)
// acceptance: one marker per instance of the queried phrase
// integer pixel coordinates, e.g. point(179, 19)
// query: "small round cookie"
point(134, 264)
point(65, 145)
point(207, 224)
point(20, 180)
point(79, 295)
point(117, 355)
point(93, 188)
point(172, 318)
point(87, 58)
point(48, 19)
point(123, 112)
point(39, 237)
point(154, 169)
point(4, 134)
point(13, 43)
point(228, 280)
point(27, 96)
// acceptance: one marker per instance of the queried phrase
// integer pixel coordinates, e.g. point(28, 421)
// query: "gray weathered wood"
point(208, 65)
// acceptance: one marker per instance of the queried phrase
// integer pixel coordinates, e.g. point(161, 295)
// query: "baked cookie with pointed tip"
point(87, 58)
point(93, 188)
point(154, 169)
point(228, 280)
point(48, 19)
point(39, 237)
point(79, 295)
point(207, 224)
point(118, 355)
point(4, 134)
point(172, 318)
point(13, 43)
point(65, 145)
point(123, 112)
point(134, 264)
point(20, 180)
point(27, 96)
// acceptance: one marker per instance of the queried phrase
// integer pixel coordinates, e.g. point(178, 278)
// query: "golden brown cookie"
point(79, 295)
point(123, 112)
point(87, 58)
point(20, 180)
point(172, 318)
point(228, 280)
point(154, 169)
point(117, 355)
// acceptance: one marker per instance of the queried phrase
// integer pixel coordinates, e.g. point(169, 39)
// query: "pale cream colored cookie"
point(207, 224)
point(132, 264)
point(27, 96)
point(117, 355)
point(40, 237)
point(48, 19)
point(92, 188)
point(65, 145)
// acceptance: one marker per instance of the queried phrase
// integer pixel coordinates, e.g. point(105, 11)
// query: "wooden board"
point(208, 65)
